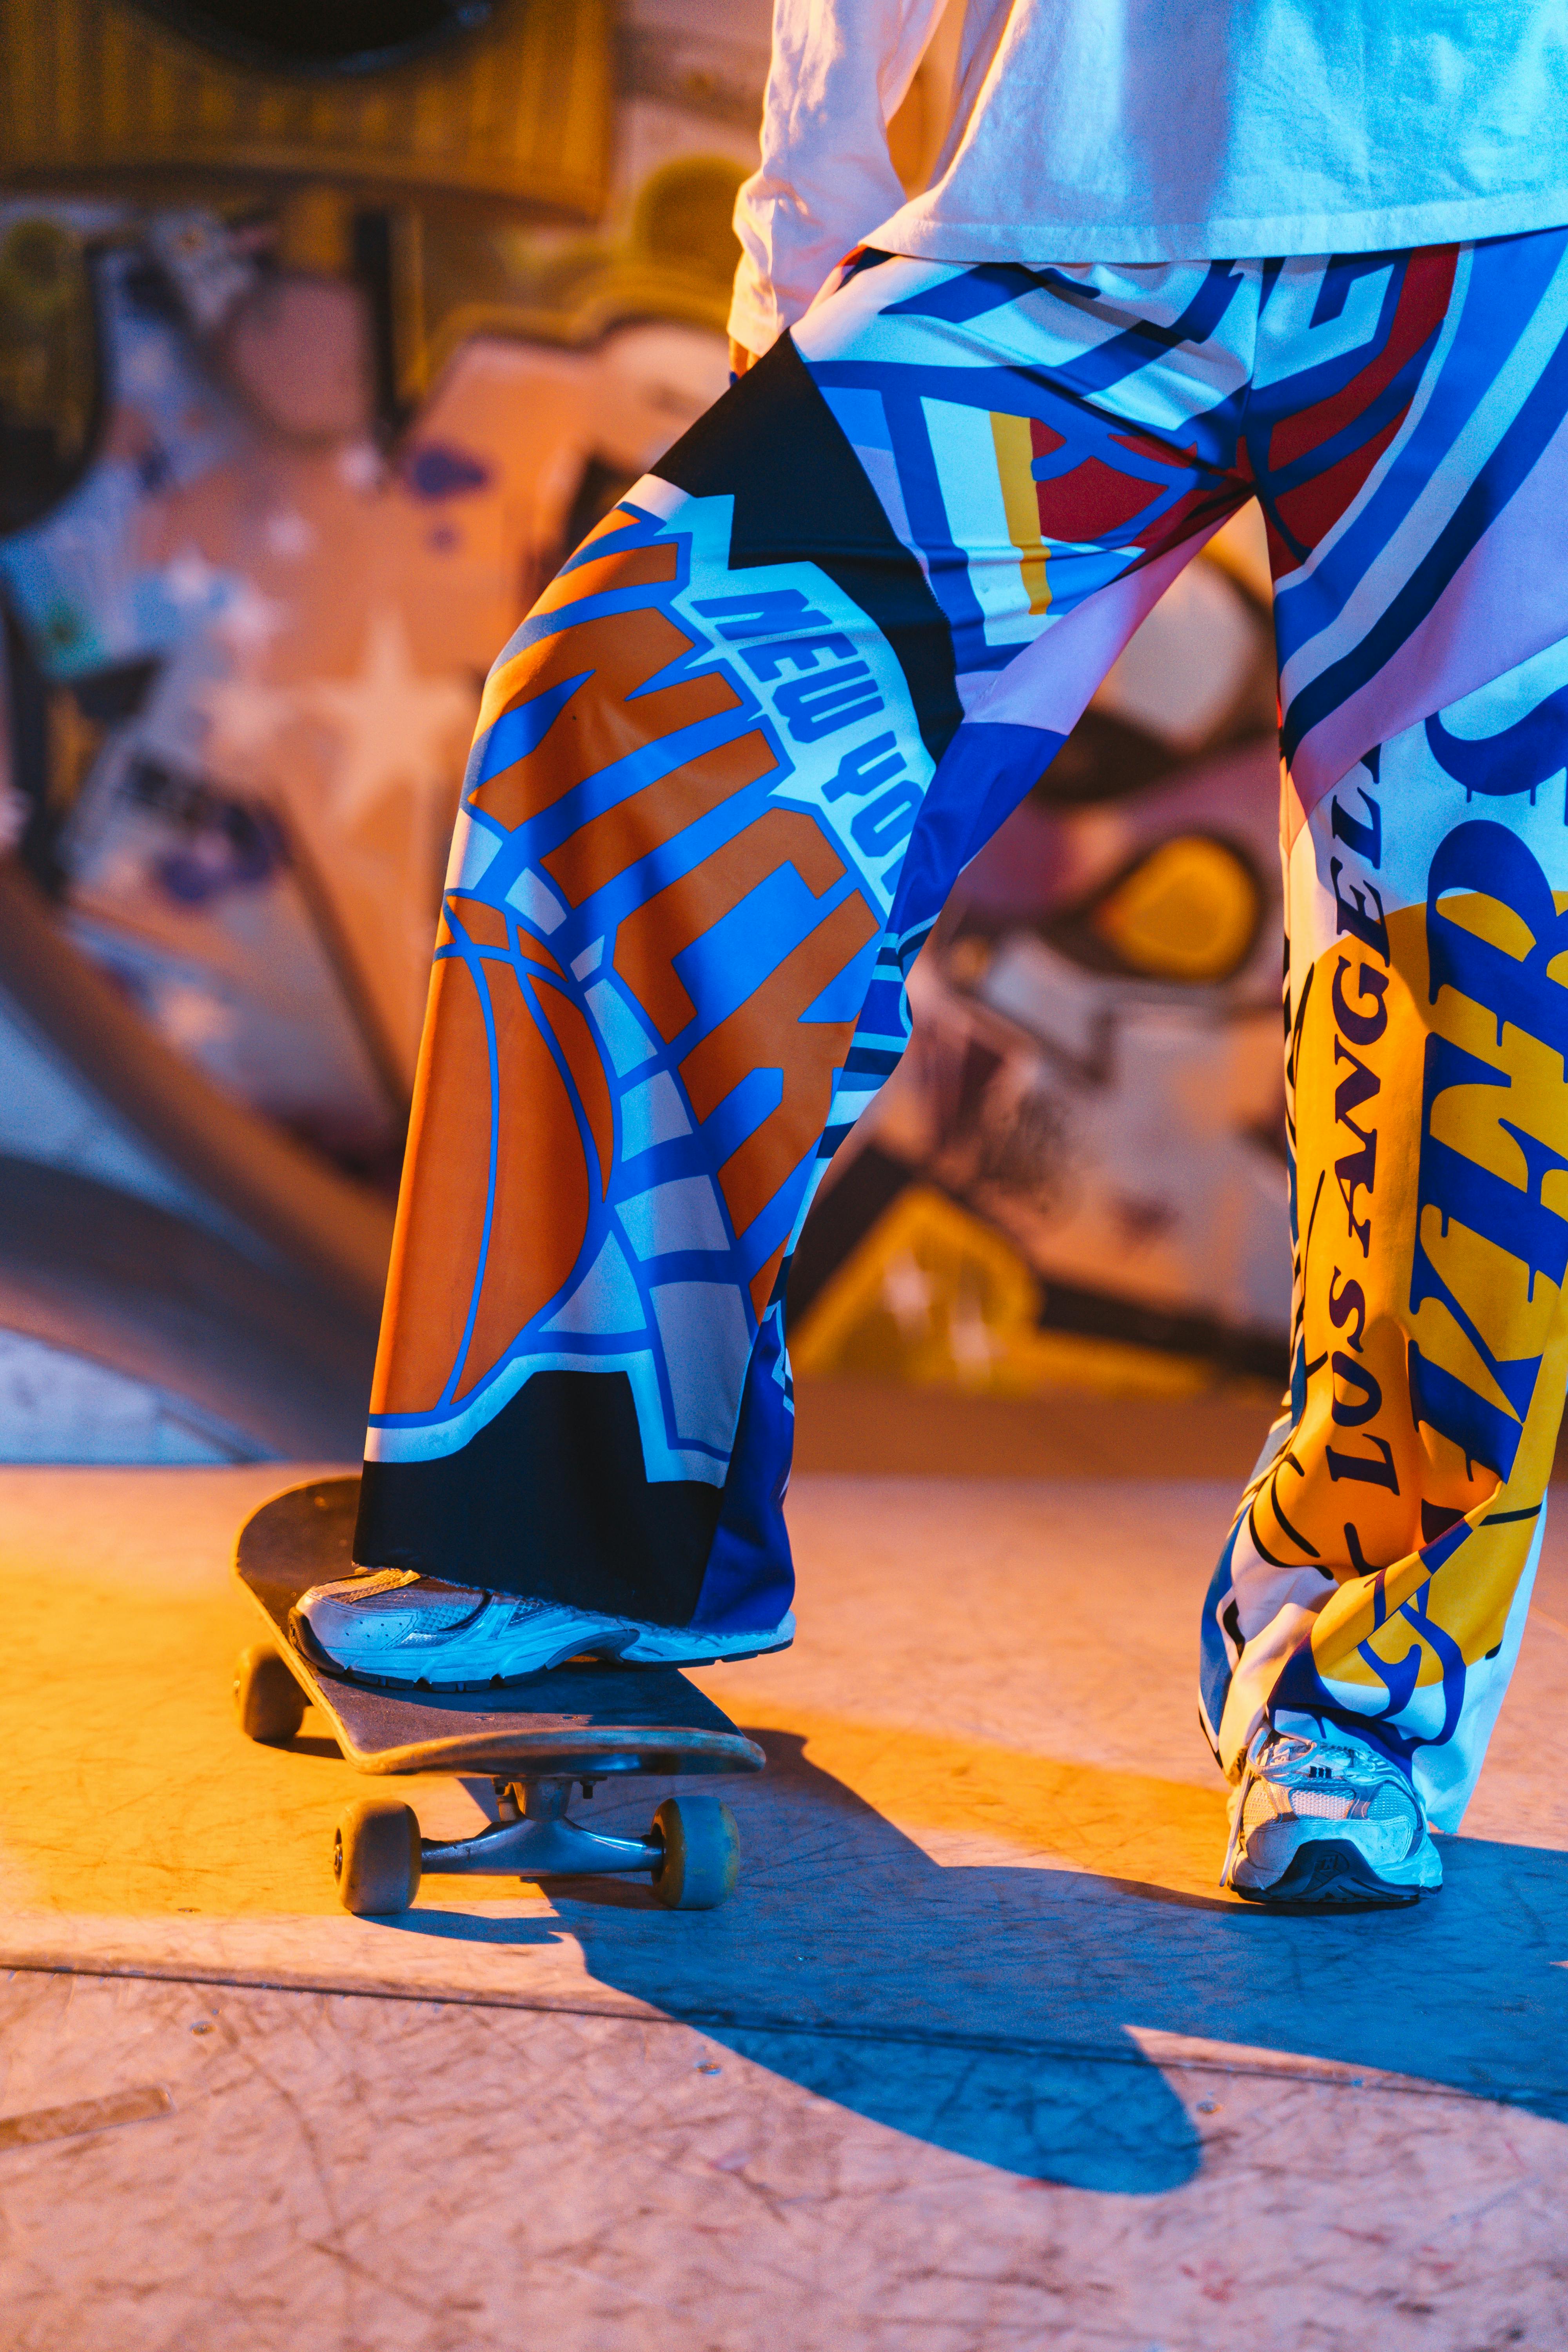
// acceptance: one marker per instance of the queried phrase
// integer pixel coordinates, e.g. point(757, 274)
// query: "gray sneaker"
point(1330, 1822)
point(391, 1625)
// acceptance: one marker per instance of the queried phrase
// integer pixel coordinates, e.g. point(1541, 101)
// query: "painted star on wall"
point(395, 725)
point(243, 714)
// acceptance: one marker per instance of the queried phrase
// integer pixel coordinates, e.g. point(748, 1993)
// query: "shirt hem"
point(920, 231)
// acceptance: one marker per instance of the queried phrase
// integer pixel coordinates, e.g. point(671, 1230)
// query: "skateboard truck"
point(540, 1841)
point(691, 1854)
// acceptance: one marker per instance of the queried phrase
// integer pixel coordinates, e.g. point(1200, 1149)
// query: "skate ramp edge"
point(179, 1281)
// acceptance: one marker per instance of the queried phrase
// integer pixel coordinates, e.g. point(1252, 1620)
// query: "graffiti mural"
point(283, 462)
point(313, 367)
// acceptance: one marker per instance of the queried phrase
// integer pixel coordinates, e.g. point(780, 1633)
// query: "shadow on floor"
point(986, 2010)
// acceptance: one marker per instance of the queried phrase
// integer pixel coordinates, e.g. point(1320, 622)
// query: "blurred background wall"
point(326, 331)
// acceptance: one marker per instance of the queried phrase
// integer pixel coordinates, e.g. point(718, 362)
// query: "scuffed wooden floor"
point(978, 2056)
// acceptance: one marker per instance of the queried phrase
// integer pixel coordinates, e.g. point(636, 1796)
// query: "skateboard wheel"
point(375, 1857)
point(702, 1853)
point(269, 1704)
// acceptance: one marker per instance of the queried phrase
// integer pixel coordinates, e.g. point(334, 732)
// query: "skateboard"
point(572, 1726)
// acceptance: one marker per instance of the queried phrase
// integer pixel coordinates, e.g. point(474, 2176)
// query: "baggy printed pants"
point(725, 776)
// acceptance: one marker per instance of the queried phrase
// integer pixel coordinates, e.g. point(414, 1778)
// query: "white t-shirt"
point(1155, 131)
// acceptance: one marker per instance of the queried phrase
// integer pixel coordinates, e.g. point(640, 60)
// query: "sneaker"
point(391, 1625)
point(1330, 1821)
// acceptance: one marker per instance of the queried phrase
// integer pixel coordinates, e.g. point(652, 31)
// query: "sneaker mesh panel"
point(1322, 1804)
point(1260, 1805)
point(365, 1588)
point(441, 1616)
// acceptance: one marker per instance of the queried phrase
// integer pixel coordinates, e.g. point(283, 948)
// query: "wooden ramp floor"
point(977, 2057)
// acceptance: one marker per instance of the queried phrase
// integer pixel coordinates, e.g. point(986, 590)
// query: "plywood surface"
point(978, 2055)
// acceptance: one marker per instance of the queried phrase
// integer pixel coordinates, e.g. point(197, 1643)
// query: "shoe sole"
point(309, 1648)
point(725, 1658)
point(1330, 1874)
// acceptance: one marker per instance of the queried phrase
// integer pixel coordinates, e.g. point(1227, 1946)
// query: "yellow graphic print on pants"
point(1381, 1567)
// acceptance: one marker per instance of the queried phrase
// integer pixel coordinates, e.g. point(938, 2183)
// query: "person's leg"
point(1405, 426)
point(1378, 1576)
point(1381, 1569)
point(725, 776)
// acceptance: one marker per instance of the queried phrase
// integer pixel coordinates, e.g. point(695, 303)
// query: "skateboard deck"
point(587, 1722)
